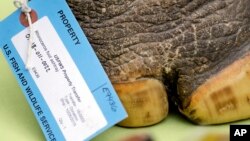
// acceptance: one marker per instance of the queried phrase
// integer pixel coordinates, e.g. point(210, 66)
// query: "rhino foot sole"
point(145, 101)
point(224, 97)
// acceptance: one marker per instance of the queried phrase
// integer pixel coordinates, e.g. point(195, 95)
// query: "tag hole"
point(24, 20)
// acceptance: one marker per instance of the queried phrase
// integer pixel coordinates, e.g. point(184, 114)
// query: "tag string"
point(23, 4)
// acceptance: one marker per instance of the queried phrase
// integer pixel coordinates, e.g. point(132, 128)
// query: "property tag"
point(66, 86)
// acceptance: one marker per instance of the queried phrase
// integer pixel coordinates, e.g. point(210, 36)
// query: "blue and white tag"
point(66, 87)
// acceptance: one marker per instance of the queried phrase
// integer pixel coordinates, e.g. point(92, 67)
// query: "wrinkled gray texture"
point(181, 42)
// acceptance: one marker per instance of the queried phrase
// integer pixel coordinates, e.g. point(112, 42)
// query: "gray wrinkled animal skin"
point(180, 42)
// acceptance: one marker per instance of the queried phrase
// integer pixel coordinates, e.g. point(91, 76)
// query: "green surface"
point(6, 7)
point(19, 124)
point(17, 120)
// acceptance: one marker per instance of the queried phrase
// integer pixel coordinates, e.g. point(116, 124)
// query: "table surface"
point(6, 7)
point(18, 122)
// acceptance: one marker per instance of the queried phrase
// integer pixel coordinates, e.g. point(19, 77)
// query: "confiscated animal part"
point(199, 49)
point(146, 105)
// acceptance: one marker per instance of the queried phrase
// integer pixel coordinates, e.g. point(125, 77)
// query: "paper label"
point(66, 87)
point(60, 82)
